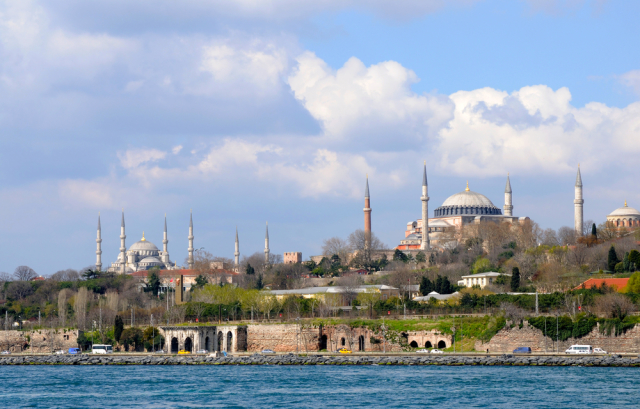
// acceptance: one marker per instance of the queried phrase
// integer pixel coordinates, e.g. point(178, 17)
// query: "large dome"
point(144, 248)
point(467, 203)
point(625, 211)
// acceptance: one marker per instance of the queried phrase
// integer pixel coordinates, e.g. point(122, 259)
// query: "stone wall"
point(39, 341)
point(508, 339)
point(282, 338)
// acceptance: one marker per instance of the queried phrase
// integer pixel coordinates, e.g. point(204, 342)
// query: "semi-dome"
point(150, 260)
point(467, 203)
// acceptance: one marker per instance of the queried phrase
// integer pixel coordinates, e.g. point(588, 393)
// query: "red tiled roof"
point(618, 283)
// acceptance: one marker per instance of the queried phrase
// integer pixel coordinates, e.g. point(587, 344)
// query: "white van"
point(579, 349)
point(102, 349)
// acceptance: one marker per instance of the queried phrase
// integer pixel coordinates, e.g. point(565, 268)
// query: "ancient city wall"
point(39, 341)
point(508, 339)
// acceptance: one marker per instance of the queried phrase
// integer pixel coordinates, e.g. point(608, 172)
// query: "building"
point(292, 258)
point(460, 209)
point(168, 277)
point(142, 255)
point(619, 284)
point(481, 279)
point(323, 293)
point(436, 296)
point(624, 217)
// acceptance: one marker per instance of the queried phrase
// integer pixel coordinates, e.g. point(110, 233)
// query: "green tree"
point(132, 337)
point(420, 257)
point(153, 282)
point(201, 281)
point(482, 265)
point(501, 279)
point(626, 262)
point(90, 274)
point(515, 279)
point(152, 339)
point(426, 286)
point(633, 285)
point(612, 259)
point(634, 257)
point(400, 256)
point(594, 232)
point(250, 270)
point(259, 283)
point(443, 285)
point(118, 327)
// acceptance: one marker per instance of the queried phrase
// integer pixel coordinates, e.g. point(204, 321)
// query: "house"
point(323, 293)
point(618, 283)
point(481, 279)
point(439, 297)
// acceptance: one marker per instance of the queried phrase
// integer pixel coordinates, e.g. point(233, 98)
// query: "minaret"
point(266, 246)
point(190, 260)
point(237, 252)
point(165, 244)
point(123, 246)
point(99, 249)
point(508, 205)
point(367, 215)
point(425, 244)
point(578, 202)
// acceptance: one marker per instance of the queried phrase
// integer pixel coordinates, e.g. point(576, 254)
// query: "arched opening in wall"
point(188, 344)
point(322, 344)
point(229, 341)
point(428, 344)
point(343, 341)
point(442, 344)
point(405, 337)
point(174, 345)
point(206, 344)
point(361, 343)
point(220, 343)
point(413, 344)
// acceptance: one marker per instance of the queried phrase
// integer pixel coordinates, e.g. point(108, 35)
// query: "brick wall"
point(44, 340)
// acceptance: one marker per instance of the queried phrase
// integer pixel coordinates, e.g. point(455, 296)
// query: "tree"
point(336, 246)
point(364, 244)
point(626, 263)
point(443, 285)
point(132, 336)
point(24, 273)
point(594, 231)
point(18, 290)
point(250, 270)
point(259, 283)
point(152, 339)
point(515, 279)
point(421, 257)
point(118, 327)
point(153, 282)
point(612, 259)
point(200, 281)
point(400, 256)
point(66, 275)
point(90, 274)
point(426, 286)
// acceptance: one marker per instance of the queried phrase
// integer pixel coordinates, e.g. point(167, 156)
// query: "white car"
point(5, 352)
point(202, 351)
point(579, 349)
point(60, 352)
point(599, 351)
point(436, 351)
point(422, 351)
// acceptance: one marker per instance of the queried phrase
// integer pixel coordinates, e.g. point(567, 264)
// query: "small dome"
point(625, 211)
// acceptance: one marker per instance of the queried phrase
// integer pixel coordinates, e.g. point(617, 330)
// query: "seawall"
point(292, 359)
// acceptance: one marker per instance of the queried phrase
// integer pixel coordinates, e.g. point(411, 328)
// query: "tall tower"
point(266, 246)
point(237, 252)
point(367, 215)
point(578, 202)
point(123, 246)
point(425, 244)
point(99, 245)
point(190, 260)
point(165, 243)
point(508, 205)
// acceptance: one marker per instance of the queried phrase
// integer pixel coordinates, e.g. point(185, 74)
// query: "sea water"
point(316, 386)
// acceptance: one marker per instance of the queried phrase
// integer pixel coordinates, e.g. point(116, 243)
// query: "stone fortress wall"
point(39, 341)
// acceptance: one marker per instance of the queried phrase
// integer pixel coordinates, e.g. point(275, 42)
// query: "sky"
point(248, 111)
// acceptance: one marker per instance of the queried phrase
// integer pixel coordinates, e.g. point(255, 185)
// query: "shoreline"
point(312, 359)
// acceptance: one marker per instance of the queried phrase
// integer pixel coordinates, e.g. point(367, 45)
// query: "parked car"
point(5, 352)
point(183, 352)
point(60, 352)
point(579, 349)
point(159, 351)
point(522, 350)
point(422, 351)
point(599, 351)
point(344, 351)
point(202, 351)
point(268, 351)
point(436, 351)
point(75, 351)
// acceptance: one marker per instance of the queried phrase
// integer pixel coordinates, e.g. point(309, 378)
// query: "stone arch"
point(343, 341)
point(188, 344)
point(361, 343)
point(229, 341)
point(206, 344)
point(220, 343)
point(413, 344)
point(442, 344)
point(428, 344)
point(322, 344)
point(174, 345)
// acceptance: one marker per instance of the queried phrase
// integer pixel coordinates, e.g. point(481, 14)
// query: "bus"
point(101, 349)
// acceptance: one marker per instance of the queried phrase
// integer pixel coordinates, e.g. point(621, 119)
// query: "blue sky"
point(248, 112)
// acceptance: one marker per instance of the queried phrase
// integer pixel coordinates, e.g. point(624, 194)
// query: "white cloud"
point(135, 157)
point(176, 149)
point(631, 79)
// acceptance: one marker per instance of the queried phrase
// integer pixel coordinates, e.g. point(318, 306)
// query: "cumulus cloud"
point(135, 157)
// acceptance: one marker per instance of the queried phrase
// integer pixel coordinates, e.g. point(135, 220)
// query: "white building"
point(482, 279)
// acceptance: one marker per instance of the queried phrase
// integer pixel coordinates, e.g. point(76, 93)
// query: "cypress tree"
point(515, 279)
point(625, 261)
point(612, 259)
point(118, 328)
point(426, 286)
point(594, 232)
point(250, 270)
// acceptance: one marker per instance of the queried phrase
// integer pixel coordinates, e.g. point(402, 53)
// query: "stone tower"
point(578, 202)
point(508, 205)
point(266, 246)
point(237, 252)
point(190, 260)
point(123, 246)
point(367, 215)
point(165, 243)
point(99, 247)
point(425, 244)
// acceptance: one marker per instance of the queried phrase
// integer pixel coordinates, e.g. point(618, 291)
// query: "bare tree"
point(614, 305)
point(62, 306)
point(350, 288)
point(177, 314)
point(66, 275)
point(24, 273)
point(512, 312)
point(566, 235)
point(80, 307)
point(338, 246)
point(19, 290)
point(550, 238)
point(364, 244)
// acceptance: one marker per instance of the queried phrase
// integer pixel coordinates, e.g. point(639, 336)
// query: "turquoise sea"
point(316, 386)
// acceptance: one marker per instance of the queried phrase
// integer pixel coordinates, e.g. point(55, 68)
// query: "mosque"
point(624, 217)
